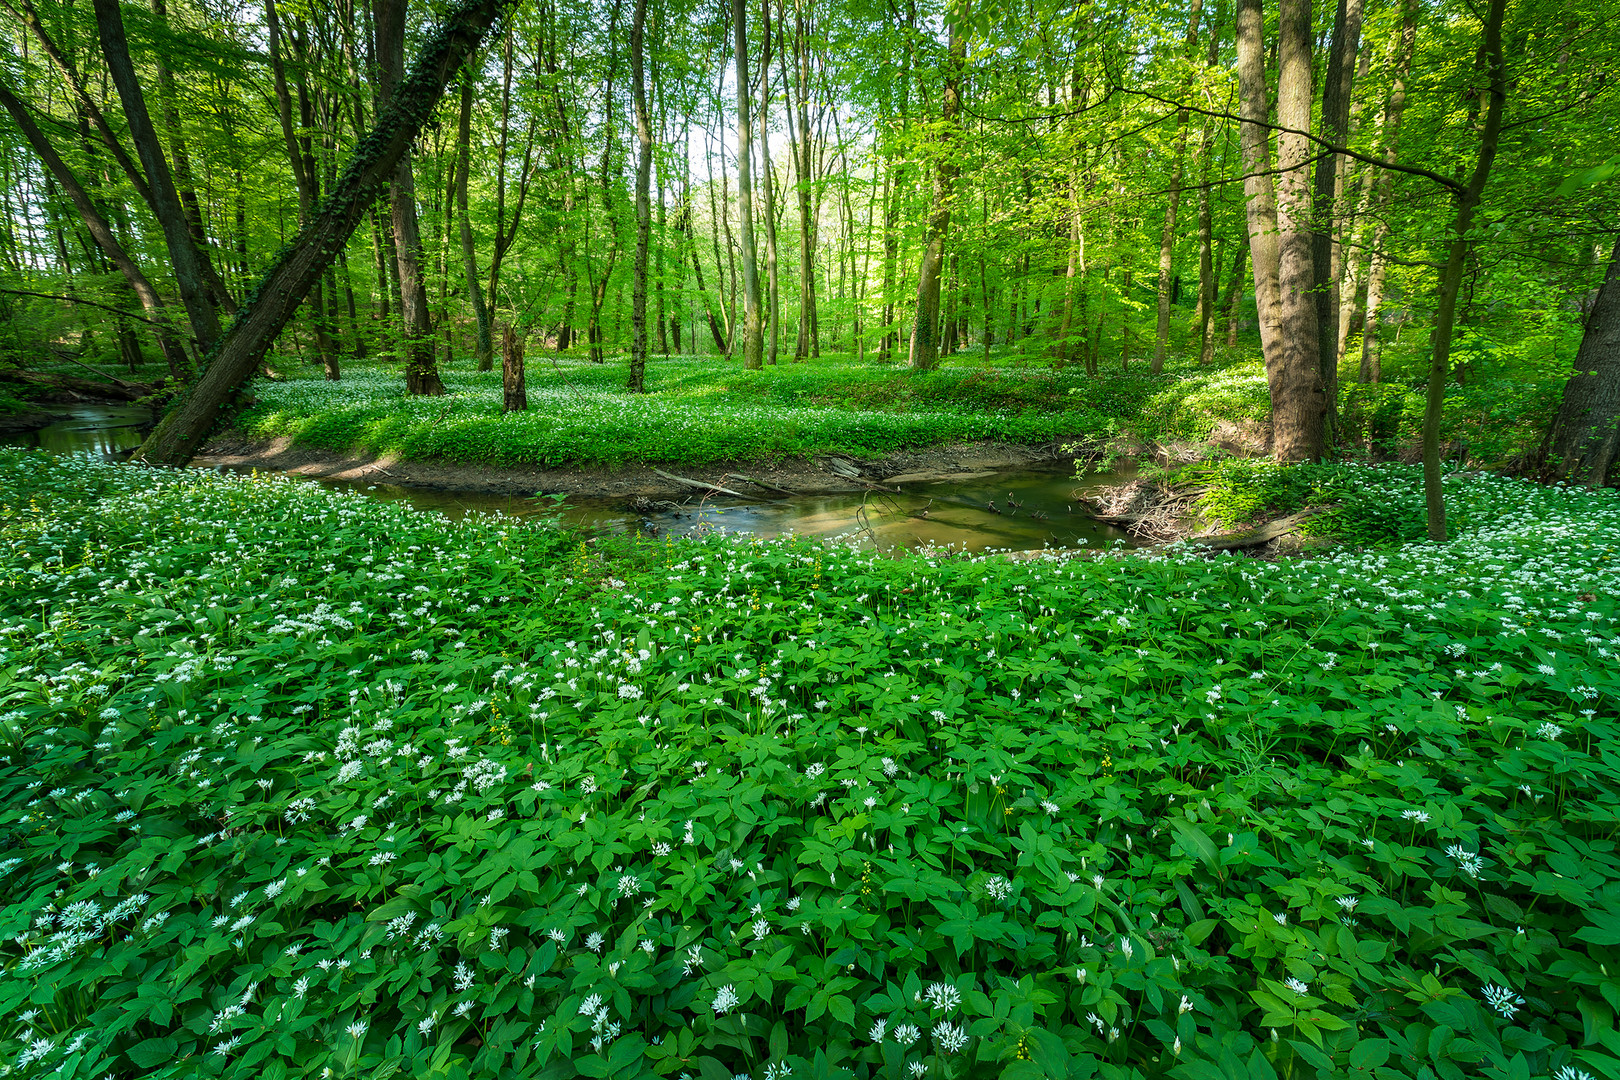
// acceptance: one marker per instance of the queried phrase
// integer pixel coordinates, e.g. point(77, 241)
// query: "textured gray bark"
point(1584, 441)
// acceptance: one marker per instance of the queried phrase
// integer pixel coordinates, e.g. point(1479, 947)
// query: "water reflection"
point(96, 429)
point(1016, 511)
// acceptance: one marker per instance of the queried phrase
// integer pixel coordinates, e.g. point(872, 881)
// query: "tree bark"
point(925, 330)
point(1167, 239)
point(644, 157)
point(753, 320)
point(1445, 316)
point(514, 391)
point(1335, 126)
point(102, 233)
point(483, 348)
point(1384, 194)
point(193, 280)
point(1280, 226)
point(1584, 440)
point(176, 438)
point(773, 284)
point(421, 358)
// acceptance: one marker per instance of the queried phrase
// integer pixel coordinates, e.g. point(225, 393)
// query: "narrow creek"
point(1020, 510)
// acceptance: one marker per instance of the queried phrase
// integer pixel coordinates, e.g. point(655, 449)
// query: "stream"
point(1020, 510)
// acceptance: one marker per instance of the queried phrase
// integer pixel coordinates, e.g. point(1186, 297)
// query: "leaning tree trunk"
point(190, 273)
point(1445, 314)
point(176, 438)
point(102, 233)
point(1584, 440)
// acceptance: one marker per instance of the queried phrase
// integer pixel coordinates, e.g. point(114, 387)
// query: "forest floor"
point(365, 788)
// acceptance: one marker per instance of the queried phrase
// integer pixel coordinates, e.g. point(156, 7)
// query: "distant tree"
point(272, 302)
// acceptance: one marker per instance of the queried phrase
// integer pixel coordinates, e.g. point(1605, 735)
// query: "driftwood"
point(766, 484)
point(1265, 534)
point(700, 485)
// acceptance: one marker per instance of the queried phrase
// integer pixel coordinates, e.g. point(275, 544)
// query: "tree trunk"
point(102, 233)
point(1383, 196)
point(421, 359)
point(925, 331)
point(1280, 227)
point(1335, 127)
point(1584, 440)
point(644, 156)
point(753, 321)
point(190, 276)
point(176, 438)
point(484, 348)
point(773, 288)
point(514, 393)
point(1445, 314)
point(1167, 239)
point(808, 344)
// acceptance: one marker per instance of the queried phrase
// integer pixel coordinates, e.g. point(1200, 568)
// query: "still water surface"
point(1017, 511)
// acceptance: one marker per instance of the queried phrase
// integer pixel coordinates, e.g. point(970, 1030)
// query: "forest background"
point(1299, 198)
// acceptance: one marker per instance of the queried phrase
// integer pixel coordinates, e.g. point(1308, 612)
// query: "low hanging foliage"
point(295, 783)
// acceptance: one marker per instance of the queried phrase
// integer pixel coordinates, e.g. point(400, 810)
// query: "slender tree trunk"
point(181, 431)
point(1384, 194)
point(1167, 239)
point(1335, 127)
point(484, 348)
point(191, 277)
point(753, 322)
point(644, 158)
point(1584, 440)
point(808, 343)
point(421, 359)
point(925, 331)
point(1445, 314)
point(102, 233)
point(773, 287)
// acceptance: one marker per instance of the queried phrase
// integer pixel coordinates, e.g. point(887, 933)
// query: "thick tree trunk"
point(1280, 227)
point(753, 320)
point(484, 347)
point(925, 331)
point(1584, 440)
point(644, 156)
point(1167, 238)
point(1445, 314)
point(514, 392)
point(421, 359)
point(176, 438)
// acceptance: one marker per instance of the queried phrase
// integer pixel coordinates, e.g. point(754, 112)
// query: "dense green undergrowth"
point(701, 409)
point(291, 781)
